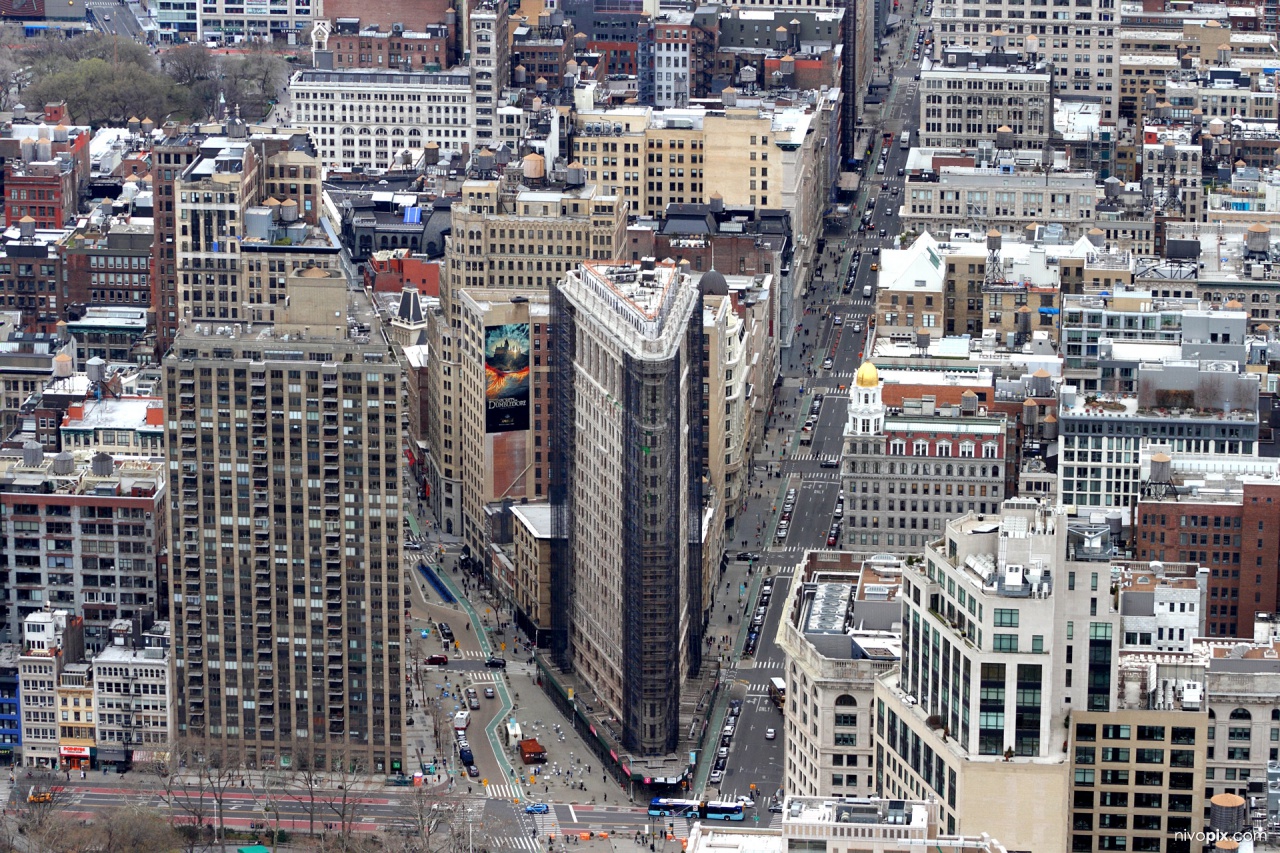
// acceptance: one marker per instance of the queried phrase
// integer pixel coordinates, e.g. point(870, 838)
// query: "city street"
point(785, 462)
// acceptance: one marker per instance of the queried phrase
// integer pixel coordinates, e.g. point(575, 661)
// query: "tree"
point(99, 93)
point(346, 769)
point(306, 781)
point(132, 827)
point(189, 64)
point(250, 81)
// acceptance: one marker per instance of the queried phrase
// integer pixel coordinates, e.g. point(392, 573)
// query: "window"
point(846, 719)
point(1004, 642)
point(1150, 732)
point(1006, 617)
point(1112, 732)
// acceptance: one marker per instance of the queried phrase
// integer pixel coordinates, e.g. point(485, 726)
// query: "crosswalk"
point(547, 824)
point(810, 456)
point(517, 842)
point(504, 792)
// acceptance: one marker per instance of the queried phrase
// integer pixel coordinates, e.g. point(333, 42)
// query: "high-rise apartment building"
point(626, 490)
point(491, 62)
point(511, 237)
point(285, 516)
point(1007, 626)
point(237, 170)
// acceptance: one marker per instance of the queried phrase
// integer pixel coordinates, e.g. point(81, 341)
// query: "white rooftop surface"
point(919, 268)
point(418, 356)
point(126, 654)
point(105, 139)
point(1144, 351)
point(953, 347)
point(791, 123)
point(705, 839)
point(1077, 121)
point(32, 131)
point(536, 516)
point(127, 413)
point(820, 810)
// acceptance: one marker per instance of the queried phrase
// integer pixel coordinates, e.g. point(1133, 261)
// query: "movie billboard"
point(506, 373)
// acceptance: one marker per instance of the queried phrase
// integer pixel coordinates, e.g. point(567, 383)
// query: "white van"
point(866, 291)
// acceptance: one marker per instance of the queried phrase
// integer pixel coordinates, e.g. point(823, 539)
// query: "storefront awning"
point(112, 753)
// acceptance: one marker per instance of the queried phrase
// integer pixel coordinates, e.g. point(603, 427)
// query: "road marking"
point(573, 816)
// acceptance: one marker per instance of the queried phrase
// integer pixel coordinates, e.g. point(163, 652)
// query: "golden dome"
point(867, 376)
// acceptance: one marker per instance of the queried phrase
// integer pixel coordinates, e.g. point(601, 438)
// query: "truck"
point(531, 752)
point(461, 720)
point(467, 756)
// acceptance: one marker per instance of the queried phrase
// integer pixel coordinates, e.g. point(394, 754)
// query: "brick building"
point(106, 264)
point(431, 48)
point(84, 533)
point(1226, 525)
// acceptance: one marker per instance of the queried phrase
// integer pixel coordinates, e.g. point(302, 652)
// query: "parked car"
point(473, 771)
point(717, 776)
point(473, 703)
point(446, 631)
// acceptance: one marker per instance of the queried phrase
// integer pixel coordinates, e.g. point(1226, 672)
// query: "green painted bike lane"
point(499, 722)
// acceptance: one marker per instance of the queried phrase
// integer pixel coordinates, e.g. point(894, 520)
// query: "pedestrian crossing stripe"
point(516, 842)
point(504, 792)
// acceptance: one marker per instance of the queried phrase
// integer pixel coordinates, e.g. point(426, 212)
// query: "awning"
point(143, 755)
point(1048, 310)
point(112, 753)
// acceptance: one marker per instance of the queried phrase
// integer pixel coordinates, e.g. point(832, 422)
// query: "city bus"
point(777, 691)
point(695, 809)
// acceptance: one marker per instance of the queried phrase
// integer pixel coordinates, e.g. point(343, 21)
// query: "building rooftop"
point(81, 472)
point(537, 517)
point(120, 413)
point(873, 811)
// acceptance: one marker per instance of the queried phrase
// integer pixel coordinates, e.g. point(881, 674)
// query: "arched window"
point(844, 700)
point(1241, 714)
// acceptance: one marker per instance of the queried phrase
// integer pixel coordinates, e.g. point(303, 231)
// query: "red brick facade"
point(1239, 542)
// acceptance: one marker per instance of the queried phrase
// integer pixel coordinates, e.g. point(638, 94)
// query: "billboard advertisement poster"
point(506, 373)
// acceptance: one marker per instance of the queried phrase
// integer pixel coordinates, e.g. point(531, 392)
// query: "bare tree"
point(132, 827)
point(219, 763)
point(345, 769)
point(306, 781)
point(43, 821)
point(190, 808)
